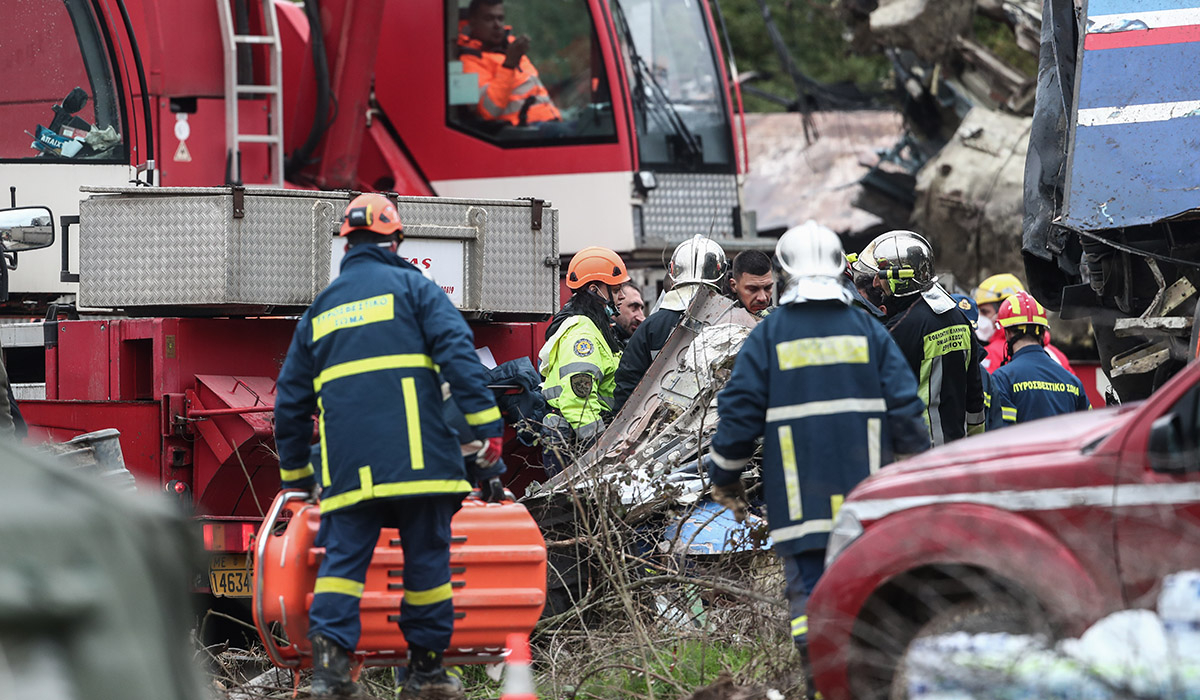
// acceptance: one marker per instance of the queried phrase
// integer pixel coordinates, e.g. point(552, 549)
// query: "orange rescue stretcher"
point(498, 572)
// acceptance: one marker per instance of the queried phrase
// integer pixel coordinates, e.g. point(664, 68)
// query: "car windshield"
point(680, 109)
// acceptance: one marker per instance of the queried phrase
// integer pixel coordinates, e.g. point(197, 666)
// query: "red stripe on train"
point(1142, 37)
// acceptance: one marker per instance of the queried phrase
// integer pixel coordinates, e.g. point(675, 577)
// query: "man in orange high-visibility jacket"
point(509, 87)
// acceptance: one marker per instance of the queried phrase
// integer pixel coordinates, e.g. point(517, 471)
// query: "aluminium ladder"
point(236, 92)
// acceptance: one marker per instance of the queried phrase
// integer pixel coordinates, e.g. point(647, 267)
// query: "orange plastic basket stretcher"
point(498, 572)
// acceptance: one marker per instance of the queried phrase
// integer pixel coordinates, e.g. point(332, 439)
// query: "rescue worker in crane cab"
point(832, 397)
point(697, 263)
point(510, 90)
point(932, 332)
point(366, 359)
point(631, 311)
point(751, 282)
point(1032, 385)
point(579, 359)
point(990, 294)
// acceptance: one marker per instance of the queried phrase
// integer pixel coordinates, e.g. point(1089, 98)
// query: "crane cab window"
point(526, 73)
point(58, 101)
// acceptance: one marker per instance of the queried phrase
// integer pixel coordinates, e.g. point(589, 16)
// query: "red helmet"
point(1021, 309)
point(596, 264)
point(372, 212)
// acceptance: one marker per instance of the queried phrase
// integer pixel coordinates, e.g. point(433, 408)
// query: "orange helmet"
point(372, 212)
point(596, 264)
point(1021, 309)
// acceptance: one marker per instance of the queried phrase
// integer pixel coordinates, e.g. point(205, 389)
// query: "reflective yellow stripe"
point(325, 481)
point(403, 488)
point(333, 584)
point(412, 415)
point(355, 313)
point(835, 504)
point(828, 350)
point(800, 625)
point(481, 417)
point(1008, 413)
point(429, 597)
point(372, 364)
point(947, 340)
point(791, 475)
point(296, 474)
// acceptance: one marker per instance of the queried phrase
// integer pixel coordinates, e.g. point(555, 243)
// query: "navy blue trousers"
point(349, 537)
point(802, 571)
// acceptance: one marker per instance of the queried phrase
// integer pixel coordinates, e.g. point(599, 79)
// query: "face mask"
point(985, 329)
point(610, 308)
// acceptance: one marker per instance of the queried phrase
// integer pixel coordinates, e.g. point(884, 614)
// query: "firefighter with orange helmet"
point(369, 358)
point(1032, 384)
point(579, 359)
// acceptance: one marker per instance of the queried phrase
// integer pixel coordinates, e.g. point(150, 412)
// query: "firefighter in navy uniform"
point(1032, 384)
point(366, 359)
point(828, 390)
point(696, 263)
point(991, 407)
point(932, 332)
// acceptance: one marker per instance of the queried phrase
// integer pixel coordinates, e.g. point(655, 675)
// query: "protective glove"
point(491, 490)
point(489, 454)
point(732, 497)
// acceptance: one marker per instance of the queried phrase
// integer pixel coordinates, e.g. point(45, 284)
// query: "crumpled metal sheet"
point(671, 415)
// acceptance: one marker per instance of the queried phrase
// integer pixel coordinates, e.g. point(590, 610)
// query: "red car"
point(1041, 527)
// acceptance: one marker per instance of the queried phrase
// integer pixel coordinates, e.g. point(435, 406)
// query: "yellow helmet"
point(997, 288)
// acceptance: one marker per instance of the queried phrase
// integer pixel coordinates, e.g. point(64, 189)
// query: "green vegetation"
point(813, 33)
point(998, 38)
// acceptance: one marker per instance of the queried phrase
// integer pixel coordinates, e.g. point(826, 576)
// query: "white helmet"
point(698, 260)
point(810, 264)
point(901, 259)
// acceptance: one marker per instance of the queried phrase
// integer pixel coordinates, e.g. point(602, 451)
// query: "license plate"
point(230, 576)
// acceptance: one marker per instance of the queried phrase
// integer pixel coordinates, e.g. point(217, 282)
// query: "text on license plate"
point(229, 576)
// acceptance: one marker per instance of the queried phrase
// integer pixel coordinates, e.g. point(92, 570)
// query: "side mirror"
point(26, 228)
point(1168, 451)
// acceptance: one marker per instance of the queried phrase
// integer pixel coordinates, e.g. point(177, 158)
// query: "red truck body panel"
point(1067, 509)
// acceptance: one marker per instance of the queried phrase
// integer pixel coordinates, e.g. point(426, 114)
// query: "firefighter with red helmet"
point(1032, 384)
point(366, 359)
point(579, 360)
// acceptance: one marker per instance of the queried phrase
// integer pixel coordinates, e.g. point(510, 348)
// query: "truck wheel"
point(999, 614)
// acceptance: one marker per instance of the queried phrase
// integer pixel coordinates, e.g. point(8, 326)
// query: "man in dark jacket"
point(696, 263)
point(829, 392)
point(366, 359)
point(931, 330)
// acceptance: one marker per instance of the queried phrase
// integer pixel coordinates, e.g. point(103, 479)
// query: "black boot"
point(331, 669)
point(428, 680)
point(810, 690)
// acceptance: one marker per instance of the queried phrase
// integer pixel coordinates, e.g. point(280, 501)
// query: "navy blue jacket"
point(1032, 385)
point(649, 338)
point(830, 392)
point(366, 357)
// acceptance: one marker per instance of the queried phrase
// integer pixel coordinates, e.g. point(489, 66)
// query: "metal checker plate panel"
point(684, 205)
point(187, 250)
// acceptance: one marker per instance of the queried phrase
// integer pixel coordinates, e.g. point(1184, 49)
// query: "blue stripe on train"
point(1121, 7)
point(1138, 76)
point(1130, 174)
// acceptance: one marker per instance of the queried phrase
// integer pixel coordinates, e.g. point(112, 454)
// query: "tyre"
point(995, 614)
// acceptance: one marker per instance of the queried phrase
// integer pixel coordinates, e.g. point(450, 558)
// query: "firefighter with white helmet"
point(1032, 384)
point(697, 263)
point(579, 359)
point(830, 394)
point(930, 329)
point(369, 358)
